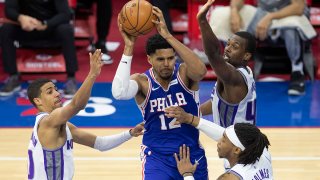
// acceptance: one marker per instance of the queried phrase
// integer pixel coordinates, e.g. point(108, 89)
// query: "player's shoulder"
point(139, 77)
point(228, 176)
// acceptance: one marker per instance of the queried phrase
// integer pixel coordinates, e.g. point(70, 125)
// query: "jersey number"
point(171, 124)
point(251, 111)
point(31, 165)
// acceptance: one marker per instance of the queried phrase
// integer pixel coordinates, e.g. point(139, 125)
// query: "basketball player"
point(242, 144)
point(166, 83)
point(51, 145)
point(233, 99)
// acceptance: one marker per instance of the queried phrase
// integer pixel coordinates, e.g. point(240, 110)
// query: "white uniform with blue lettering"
point(261, 170)
point(50, 164)
point(226, 114)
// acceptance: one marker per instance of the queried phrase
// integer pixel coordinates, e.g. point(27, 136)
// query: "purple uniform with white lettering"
point(162, 138)
point(51, 164)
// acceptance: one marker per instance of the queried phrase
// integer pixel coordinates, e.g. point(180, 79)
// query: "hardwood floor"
point(295, 153)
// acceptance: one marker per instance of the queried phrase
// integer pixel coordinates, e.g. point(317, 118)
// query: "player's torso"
point(50, 164)
point(261, 170)
point(226, 114)
point(161, 134)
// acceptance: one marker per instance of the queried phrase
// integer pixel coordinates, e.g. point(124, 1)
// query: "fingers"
point(176, 157)
point(184, 152)
point(187, 153)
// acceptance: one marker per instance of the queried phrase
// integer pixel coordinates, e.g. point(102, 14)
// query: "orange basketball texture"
point(136, 17)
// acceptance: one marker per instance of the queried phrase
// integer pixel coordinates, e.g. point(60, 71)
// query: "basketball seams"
point(150, 15)
point(132, 16)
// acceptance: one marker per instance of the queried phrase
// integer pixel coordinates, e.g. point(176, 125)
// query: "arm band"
point(122, 87)
point(104, 143)
point(211, 129)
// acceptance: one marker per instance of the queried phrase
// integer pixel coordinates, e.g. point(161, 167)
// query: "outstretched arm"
point(225, 71)
point(104, 143)
point(61, 115)
point(196, 69)
point(211, 129)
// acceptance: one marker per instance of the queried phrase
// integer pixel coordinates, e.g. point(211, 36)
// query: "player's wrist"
point(185, 174)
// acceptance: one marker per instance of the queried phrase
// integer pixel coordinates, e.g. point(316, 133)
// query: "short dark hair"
point(253, 140)
point(34, 90)
point(251, 41)
point(156, 42)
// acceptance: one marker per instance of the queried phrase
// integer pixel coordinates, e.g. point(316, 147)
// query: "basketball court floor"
point(291, 124)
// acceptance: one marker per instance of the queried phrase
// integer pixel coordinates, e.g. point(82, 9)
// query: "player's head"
point(161, 56)
point(240, 48)
point(43, 94)
point(242, 141)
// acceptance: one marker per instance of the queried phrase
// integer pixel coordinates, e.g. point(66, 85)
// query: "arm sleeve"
point(122, 87)
point(211, 129)
point(12, 9)
point(104, 143)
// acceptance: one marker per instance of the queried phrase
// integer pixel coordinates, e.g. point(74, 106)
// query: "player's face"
point(163, 61)
point(50, 97)
point(235, 50)
point(225, 147)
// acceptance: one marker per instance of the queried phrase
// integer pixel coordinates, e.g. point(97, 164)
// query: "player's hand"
point(203, 10)
point(138, 130)
point(128, 39)
point(160, 23)
point(262, 27)
point(183, 162)
point(95, 62)
point(178, 113)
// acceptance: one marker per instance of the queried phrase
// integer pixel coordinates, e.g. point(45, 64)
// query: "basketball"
point(136, 17)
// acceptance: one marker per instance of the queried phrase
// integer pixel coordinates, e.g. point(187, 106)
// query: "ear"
point(237, 151)
point(247, 56)
point(37, 101)
point(149, 60)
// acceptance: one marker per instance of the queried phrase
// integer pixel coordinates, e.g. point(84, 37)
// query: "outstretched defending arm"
point(104, 143)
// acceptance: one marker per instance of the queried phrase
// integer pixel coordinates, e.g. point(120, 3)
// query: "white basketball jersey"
point(226, 114)
point(49, 164)
point(261, 170)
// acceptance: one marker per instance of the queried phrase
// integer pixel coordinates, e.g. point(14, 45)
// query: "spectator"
point(104, 14)
point(273, 20)
point(38, 20)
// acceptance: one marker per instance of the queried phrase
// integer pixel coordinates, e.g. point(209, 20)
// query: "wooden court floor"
point(295, 153)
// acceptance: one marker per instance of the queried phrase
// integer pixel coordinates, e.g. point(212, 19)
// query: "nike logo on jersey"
point(155, 88)
point(124, 62)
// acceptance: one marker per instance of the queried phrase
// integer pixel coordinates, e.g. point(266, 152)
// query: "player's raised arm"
point(80, 99)
point(225, 71)
point(196, 69)
point(122, 86)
